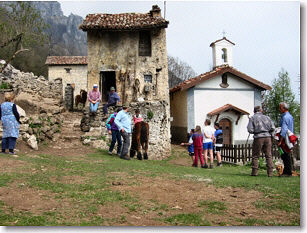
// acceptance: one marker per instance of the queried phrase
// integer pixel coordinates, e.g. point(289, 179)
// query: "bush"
point(150, 115)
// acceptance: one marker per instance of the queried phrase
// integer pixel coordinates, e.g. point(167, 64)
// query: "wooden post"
point(235, 154)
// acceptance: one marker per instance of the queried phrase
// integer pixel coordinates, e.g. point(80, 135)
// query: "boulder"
point(32, 142)
point(100, 144)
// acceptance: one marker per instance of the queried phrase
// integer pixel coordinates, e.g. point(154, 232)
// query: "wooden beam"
point(217, 117)
point(238, 119)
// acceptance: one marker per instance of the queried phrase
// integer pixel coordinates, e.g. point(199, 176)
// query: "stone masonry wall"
point(118, 51)
point(77, 76)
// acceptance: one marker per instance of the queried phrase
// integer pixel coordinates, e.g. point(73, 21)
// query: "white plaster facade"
point(77, 75)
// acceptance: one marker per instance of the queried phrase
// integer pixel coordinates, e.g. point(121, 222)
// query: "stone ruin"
point(153, 112)
point(39, 104)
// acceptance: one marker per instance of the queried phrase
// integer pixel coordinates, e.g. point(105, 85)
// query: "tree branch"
point(17, 38)
point(12, 58)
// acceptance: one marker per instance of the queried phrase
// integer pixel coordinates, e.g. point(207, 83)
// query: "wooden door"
point(226, 127)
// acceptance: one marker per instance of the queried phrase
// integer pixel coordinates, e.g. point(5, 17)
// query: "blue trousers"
point(8, 143)
point(116, 137)
point(94, 107)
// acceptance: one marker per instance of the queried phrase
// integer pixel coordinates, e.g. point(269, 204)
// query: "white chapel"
point(224, 95)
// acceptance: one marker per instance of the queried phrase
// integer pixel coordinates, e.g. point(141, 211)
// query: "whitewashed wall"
point(77, 75)
point(209, 96)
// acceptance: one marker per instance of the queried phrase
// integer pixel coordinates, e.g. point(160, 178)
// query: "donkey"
point(81, 98)
point(140, 137)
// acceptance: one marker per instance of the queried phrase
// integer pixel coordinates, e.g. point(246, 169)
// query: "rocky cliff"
point(65, 37)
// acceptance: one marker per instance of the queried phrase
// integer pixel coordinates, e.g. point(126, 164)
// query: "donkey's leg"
point(146, 149)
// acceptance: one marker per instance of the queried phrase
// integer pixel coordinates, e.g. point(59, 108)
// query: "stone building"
point(128, 51)
point(71, 69)
point(224, 95)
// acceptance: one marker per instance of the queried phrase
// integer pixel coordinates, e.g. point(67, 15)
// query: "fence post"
point(235, 154)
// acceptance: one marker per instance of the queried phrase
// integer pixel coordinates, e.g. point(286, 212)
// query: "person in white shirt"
point(208, 143)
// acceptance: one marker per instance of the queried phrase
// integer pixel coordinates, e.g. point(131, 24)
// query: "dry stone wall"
point(34, 94)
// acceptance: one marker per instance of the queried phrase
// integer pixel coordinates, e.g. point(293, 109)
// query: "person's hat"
point(125, 106)
point(112, 89)
point(95, 85)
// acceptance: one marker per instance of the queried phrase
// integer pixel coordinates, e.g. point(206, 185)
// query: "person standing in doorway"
point(286, 124)
point(208, 142)
point(10, 122)
point(94, 97)
point(113, 99)
point(123, 122)
point(262, 127)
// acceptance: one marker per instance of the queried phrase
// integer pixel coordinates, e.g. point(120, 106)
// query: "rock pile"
point(33, 93)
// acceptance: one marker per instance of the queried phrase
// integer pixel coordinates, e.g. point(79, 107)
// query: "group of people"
point(201, 142)
point(205, 141)
point(119, 126)
point(94, 98)
point(264, 130)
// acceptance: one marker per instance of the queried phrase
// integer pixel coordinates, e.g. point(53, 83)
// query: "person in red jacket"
point(197, 138)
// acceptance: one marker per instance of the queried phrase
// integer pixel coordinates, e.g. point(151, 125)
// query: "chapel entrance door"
point(106, 81)
point(226, 127)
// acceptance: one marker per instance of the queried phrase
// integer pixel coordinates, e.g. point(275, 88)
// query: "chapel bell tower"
point(222, 52)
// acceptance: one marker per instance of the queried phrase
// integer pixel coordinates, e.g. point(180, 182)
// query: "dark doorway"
point(226, 127)
point(107, 80)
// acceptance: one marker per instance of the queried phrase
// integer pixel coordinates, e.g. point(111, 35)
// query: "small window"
point(224, 83)
point(224, 54)
point(148, 78)
point(67, 70)
point(145, 43)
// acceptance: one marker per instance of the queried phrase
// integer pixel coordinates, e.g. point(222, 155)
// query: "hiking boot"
point(219, 164)
point(124, 157)
point(211, 166)
point(109, 152)
point(204, 166)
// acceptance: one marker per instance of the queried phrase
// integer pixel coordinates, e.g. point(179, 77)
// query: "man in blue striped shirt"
point(286, 123)
point(123, 122)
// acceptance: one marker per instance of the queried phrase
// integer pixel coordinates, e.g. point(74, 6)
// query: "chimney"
point(155, 11)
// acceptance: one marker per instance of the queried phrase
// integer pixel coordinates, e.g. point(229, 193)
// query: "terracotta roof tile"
point(225, 108)
point(219, 70)
point(66, 60)
point(123, 21)
point(224, 38)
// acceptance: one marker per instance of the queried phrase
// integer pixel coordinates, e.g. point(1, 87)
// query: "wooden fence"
point(243, 153)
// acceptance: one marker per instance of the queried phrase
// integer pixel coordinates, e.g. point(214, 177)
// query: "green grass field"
point(102, 190)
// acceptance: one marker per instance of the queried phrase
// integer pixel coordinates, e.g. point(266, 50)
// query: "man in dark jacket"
point(262, 127)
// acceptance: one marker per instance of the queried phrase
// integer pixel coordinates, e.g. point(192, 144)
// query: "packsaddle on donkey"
point(81, 98)
point(140, 137)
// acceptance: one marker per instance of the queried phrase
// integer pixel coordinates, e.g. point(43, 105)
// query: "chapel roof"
point(225, 108)
point(224, 38)
point(66, 60)
point(124, 21)
point(219, 70)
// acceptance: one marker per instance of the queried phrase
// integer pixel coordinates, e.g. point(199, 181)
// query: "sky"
point(266, 33)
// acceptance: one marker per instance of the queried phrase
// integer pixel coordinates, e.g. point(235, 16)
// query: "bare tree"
point(178, 71)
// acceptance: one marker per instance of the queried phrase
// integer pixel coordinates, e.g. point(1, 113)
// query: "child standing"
point(190, 145)
point(218, 141)
point(197, 138)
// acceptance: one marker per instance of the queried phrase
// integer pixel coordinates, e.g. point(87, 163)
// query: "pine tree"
point(281, 92)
